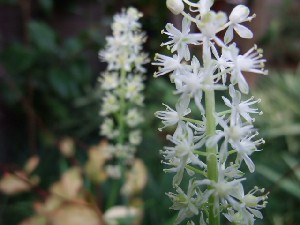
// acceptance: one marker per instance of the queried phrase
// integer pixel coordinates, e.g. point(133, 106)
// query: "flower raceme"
point(210, 148)
point(122, 84)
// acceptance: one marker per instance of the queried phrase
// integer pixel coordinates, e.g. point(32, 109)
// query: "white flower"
point(239, 14)
point(139, 61)
point(211, 23)
point(232, 134)
point(110, 104)
point(124, 49)
point(126, 21)
point(251, 61)
point(134, 85)
point(203, 6)
point(135, 137)
point(171, 117)
point(183, 150)
point(185, 203)
point(245, 148)
point(241, 108)
point(134, 117)
point(168, 64)
point(180, 40)
point(251, 203)
point(238, 217)
point(175, 6)
point(109, 80)
point(107, 128)
point(222, 189)
point(194, 83)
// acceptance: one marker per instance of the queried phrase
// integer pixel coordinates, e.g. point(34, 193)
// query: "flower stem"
point(120, 141)
point(191, 120)
point(196, 170)
point(121, 137)
point(121, 119)
point(212, 162)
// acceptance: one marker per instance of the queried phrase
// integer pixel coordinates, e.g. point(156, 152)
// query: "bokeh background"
point(48, 80)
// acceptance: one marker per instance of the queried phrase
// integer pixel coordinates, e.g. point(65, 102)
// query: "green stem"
point(121, 119)
point(224, 112)
point(212, 162)
point(120, 116)
point(192, 120)
point(232, 152)
point(196, 170)
point(201, 153)
point(121, 137)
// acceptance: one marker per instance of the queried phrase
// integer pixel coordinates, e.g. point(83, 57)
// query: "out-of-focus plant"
point(280, 125)
point(280, 96)
point(122, 84)
point(75, 198)
point(281, 40)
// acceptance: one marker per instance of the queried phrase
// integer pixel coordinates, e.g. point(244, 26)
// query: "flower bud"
point(175, 6)
point(239, 14)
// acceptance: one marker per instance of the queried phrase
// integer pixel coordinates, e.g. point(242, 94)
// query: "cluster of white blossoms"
point(122, 84)
point(210, 146)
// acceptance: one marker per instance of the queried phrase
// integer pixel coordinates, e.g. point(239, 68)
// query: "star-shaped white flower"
point(180, 39)
point(239, 14)
point(168, 64)
point(241, 108)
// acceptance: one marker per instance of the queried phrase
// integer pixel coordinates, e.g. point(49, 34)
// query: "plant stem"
point(212, 162)
point(191, 120)
point(196, 170)
point(120, 117)
point(121, 121)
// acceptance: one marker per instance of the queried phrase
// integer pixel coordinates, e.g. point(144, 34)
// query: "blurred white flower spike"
point(210, 146)
point(122, 84)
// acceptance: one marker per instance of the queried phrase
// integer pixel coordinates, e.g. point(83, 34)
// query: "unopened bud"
point(175, 6)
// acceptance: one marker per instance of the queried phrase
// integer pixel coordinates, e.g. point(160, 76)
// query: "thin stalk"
point(212, 162)
point(200, 153)
point(196, 170)
point(192, 120)
point(121, 119)
point(121, 137)
point(120, 116)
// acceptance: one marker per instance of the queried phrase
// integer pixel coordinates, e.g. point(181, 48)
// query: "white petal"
point(213, 141)
point(239, 14)
point(228, 35)
point(249, 163)
point(257, 213)
point(205, 6)
point(175, 6)
point(186, 23)
point(243, 31)
point(243, 85)
point(227, 102)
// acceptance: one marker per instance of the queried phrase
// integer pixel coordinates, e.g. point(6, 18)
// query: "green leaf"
point(17, 58)
point(42, 36)
point(73, 46)
point(58, 81)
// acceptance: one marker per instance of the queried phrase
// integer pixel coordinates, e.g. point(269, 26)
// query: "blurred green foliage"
point(281, 40)
point(279, 163)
